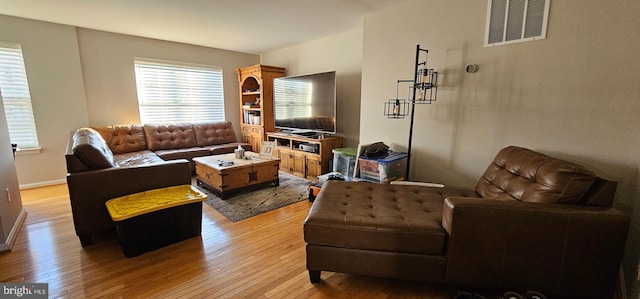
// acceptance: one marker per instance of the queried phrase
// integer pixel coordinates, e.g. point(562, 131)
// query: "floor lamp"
point(424, 90)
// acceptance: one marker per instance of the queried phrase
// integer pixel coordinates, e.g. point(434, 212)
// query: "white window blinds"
point(175, 93)
point(16, 98)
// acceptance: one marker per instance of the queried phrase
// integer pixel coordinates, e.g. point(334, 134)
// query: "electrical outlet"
point(8, 194)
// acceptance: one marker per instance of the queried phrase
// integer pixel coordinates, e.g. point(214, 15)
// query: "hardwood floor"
point(260, 257)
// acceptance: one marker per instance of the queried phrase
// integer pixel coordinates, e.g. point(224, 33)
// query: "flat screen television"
point(305, 105)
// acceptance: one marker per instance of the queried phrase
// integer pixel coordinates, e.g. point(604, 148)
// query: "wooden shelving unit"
point(303, 163)
point(256, 102)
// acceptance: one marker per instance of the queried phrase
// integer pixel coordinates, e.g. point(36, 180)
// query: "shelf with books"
point(256, 102)
point(252, 117)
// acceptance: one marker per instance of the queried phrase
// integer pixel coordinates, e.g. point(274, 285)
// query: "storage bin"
point(383, 169)
point(344, 161)
point(156, 218)
point(157, 229)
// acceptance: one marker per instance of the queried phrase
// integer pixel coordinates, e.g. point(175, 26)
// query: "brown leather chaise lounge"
point(533, 222)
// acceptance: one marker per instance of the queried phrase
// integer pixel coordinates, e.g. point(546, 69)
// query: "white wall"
point(573, 95)
point(341, 53)
point(11, 211)
point(109, 76)
point(52, 62)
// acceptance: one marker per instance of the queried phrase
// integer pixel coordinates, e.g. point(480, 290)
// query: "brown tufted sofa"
point(111, 161)
point(533, 222)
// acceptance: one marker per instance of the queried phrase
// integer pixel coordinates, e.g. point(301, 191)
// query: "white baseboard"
point(43, 184)
point(13, 235)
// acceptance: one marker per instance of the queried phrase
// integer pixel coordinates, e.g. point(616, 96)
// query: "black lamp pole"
point(423, 79)
point(413, 110)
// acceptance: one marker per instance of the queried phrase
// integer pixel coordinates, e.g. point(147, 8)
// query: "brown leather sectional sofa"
point(533, 222)
point(111, 161)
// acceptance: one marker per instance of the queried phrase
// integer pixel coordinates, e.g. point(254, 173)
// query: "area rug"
point(250, 203)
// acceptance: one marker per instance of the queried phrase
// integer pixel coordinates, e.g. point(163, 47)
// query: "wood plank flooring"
point(260, 257)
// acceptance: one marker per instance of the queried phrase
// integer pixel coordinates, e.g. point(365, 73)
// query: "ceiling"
point(253, 26)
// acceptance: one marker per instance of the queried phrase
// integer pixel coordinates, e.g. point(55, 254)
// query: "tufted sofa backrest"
point(214, 133)
point(521, 174)
point(123, 138)
point(169, 136)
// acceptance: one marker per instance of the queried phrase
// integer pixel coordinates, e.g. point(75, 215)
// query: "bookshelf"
point(256, 102)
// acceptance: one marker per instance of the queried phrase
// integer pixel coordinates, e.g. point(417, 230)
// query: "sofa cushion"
point(380, 217)
point(521, 174)
point(187, 153)
point(214, 133)
point(123, 138)
point(91, 149)
point(137, 158)
point(165, 137)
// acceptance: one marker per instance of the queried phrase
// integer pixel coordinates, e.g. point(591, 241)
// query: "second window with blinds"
point(16, 97)
point(174, 92)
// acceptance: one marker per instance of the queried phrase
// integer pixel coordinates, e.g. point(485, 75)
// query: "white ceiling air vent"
point(513, 21)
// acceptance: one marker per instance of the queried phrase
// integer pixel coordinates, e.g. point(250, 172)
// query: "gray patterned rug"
point(250, 203)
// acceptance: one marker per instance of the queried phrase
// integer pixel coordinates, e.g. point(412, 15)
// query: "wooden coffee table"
point(225, 175)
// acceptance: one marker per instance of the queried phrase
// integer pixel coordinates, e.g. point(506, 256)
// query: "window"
point(512, 21)
point(176, 92)
point(16, 98)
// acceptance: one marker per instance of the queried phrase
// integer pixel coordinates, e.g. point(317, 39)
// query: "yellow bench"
point(156, 218)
